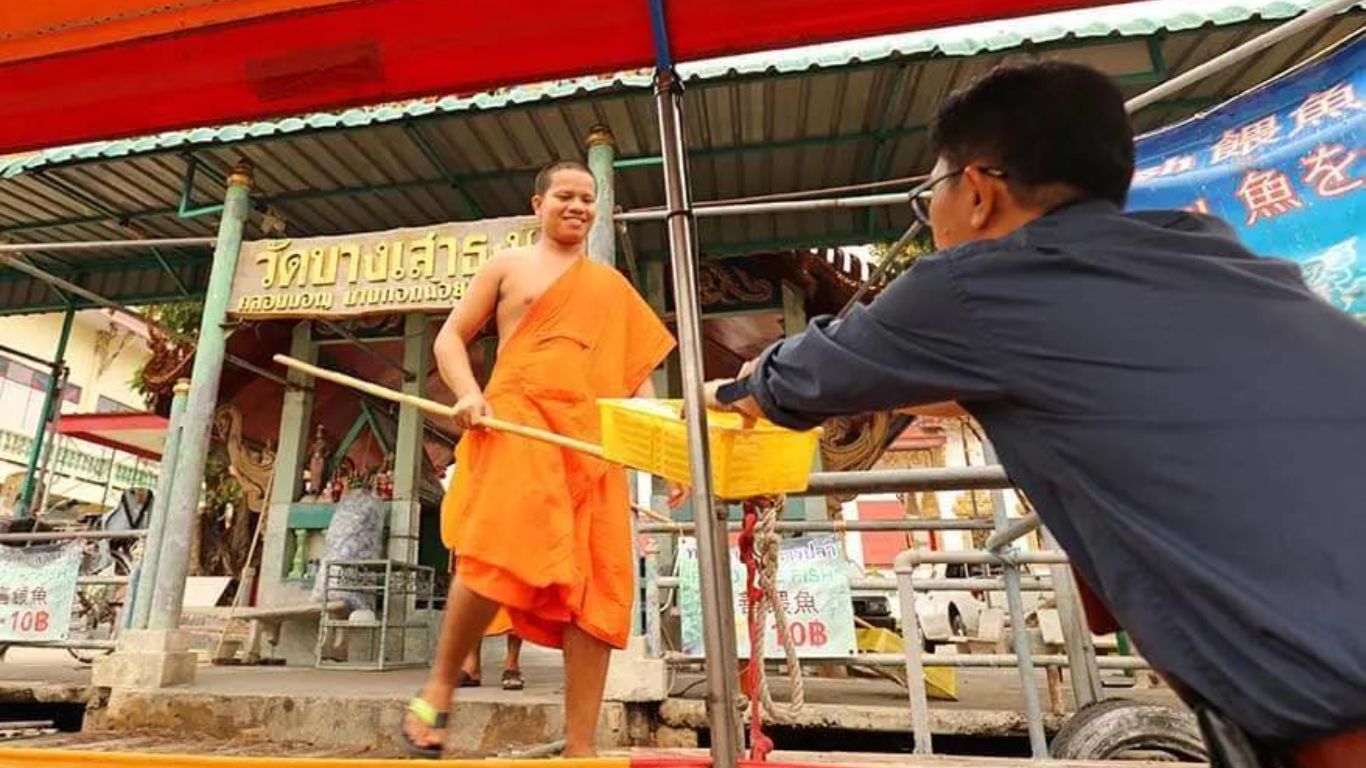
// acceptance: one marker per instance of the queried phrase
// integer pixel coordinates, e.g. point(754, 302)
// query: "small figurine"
point(384, 481)
point(317, 463)
point(338, 487)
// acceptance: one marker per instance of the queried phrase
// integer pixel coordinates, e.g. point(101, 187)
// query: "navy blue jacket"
point(1188, 418)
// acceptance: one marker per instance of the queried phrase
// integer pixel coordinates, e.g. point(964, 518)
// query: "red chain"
point(759, 744)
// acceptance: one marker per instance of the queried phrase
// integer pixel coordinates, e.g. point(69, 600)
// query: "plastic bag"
point(355, 533)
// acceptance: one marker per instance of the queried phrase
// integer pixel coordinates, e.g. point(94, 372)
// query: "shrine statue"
point(317, 463)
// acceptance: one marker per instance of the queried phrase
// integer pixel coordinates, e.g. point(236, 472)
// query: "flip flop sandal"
point(469, 681)
point(512, 680)
point(427, 715)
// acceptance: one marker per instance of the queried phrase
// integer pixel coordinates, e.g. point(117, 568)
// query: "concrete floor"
point(353, 710)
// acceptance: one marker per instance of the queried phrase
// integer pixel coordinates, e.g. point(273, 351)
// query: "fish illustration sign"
point(1285, 164)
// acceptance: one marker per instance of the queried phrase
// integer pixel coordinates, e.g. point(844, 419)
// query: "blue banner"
point(1285, 164)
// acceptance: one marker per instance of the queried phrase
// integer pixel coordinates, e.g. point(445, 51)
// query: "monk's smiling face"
point(566, 208)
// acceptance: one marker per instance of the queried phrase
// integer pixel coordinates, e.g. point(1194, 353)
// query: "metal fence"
point(1079, 659)
point(117, 612)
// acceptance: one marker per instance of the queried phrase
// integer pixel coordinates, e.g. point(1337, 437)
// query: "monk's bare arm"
point(646, 388)
point(463, 324)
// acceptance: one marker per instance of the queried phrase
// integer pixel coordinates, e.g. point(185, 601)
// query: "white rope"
point(766, 546)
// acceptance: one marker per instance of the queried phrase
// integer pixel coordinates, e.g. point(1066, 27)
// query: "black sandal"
point(512, 680)
point(427, 715)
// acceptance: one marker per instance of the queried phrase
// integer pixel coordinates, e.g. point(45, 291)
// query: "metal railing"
point(1080, 657)
point(81, 465)
point(120, 615)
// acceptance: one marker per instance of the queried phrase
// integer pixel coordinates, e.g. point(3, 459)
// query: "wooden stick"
point(433, 407)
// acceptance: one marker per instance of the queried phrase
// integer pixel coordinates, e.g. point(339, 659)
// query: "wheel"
point(99, 611)
point(1119, 728)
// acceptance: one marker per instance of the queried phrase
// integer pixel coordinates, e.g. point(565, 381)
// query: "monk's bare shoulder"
point(509, 262)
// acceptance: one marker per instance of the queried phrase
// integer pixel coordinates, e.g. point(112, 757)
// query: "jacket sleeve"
point(912, 345)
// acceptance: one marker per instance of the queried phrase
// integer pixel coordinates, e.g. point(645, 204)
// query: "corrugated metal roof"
point(829, 116)
point(1129, 20)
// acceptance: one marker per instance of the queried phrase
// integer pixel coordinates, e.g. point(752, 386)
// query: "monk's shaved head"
point(547, 174)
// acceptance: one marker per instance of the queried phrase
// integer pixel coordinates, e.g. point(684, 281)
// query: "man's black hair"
point(1046, 123)
point(547, 174)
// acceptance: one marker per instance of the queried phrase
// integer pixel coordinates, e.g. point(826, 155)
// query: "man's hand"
point(678, 495)
point(745, 406)
point(470, 409)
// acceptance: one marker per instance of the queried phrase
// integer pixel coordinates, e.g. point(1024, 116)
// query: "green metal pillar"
point(51, 401)
point(203, 397)
point(406, 509)
point(156, 528)
point(602, 239)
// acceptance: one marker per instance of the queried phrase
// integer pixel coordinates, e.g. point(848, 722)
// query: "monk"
point(471, 672)
point(542, 532)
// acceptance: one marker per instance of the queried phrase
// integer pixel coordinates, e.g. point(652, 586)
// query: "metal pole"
point(198, 417)
point(979, 557)
point(888, 259)
point(238, 362)
point(156, 527)
point(827, 526)
point(1081, 651)
point(718, 619)
point(602, 150)
point(92, 245)
point(49, 401)
point(51, 448)
point(362, 346)
point(26, 356)
point(781, 206)
point(67, 286)
point(1013, 530)
point(22, 538)
point(1038, 742)
point(914, 643)
point(1231, 57)
point(921, 585)
point(895, 480)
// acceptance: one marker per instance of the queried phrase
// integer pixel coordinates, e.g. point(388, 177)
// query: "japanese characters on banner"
point(813, 583)
point(1285, 164)
point(37, 587)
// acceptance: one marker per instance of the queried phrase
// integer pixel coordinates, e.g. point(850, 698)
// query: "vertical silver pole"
point(156, 527)
point(654, 645)
point(1081, 651)
point(1038, 743)
point(914, 643)
point(713, 552)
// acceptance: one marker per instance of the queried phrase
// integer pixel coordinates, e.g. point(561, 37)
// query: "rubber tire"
point(1107, 729)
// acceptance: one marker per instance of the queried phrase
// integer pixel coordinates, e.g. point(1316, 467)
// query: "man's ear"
point(536, 201)
point(985, 197)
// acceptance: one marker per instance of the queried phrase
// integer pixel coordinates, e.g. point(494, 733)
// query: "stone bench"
point(263, 623)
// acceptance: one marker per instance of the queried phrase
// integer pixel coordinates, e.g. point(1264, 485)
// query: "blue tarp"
point(1285, 164)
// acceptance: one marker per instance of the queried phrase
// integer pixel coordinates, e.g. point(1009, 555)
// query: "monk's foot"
point(424, 725)
point(422, 735)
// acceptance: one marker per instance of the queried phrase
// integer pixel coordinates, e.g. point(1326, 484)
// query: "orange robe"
point(542, 530)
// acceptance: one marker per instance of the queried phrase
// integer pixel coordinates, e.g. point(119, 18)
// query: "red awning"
point(141, 434)
point(148, 66)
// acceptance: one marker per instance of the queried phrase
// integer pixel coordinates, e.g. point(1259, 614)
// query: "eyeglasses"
point(921, 195)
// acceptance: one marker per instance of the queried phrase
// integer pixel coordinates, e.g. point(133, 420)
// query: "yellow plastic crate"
point(758, 460)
